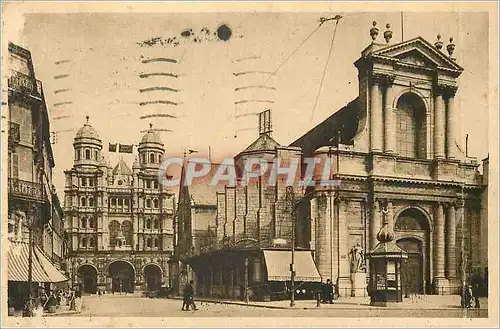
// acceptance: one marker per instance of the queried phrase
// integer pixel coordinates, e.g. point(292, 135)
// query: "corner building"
point(119, 220)
point(396, 149)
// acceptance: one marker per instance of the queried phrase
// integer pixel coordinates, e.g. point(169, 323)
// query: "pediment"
point(418, 52)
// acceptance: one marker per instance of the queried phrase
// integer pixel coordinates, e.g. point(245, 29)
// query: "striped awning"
point(18, 265)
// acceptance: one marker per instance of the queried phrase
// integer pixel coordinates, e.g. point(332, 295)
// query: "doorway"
point(122, 277)
point(153, 277)
point(88, 278)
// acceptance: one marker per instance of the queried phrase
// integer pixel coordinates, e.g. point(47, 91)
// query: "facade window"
point(156, 243)
point(91, 242)
point(155, 203)
point(126, 203)
point(84, 242)
point(156, 223)
point(79, 154)
point(155, 184)
point(83, 222)
point(148, 203)
point(120, 202)
point(152, 158)
point(410, 129)
point(148, 183)
point(14, 166)
point(91, 182)
point(91, 223)
point(83, 202)
point(87, 154)
point(91, 202)
point(113, 202)
point(84, 181)
point(148, 243)
point(144, 158)
point(96, 155)
point(148, 223)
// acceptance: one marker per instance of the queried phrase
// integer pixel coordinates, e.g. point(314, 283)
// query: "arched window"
point(120, 202)
point(152, 158)
point(156, 243)
point(155, 184)
point(91, 242)
point(148, 222)
point(156, 223)
point(91, 181)
point(83, 202)
point(78, 154)
point(96, 155)
point(126, 202)
point(155, 203)
point(411, 127)
point(148, 183)
point(83, 222)
point(87, 154)
point(113, 202)
point(91, 202)
point(84, 242)
point(148, 243)
point(84, 181)
point(148, 203)
point(127, 231)
point(144, 158)
point(114, 229)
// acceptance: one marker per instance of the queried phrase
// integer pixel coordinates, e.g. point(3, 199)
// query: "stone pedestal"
point(442, 286)
point(344, 286)
point(358, 284)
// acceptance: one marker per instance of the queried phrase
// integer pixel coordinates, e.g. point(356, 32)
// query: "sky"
point(98, 58)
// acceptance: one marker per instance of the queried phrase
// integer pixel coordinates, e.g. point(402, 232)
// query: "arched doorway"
point(412, 235)
point(87, 275)
point(411, 125)
point(122, 276)
point(153, 277)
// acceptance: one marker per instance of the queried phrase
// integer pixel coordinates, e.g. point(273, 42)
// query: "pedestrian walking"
point(330, 292)
point(188, 297)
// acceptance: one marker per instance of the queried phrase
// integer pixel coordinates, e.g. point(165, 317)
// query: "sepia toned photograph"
point(260, 161)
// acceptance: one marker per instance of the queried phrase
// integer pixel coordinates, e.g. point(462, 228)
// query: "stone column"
point(390, 215)
point(439, 125)
point(375, 116)
point(451, 266)
point(439, 242)
point(451, 125)
point(344, 280)
point(374, 224)
point(390, 119)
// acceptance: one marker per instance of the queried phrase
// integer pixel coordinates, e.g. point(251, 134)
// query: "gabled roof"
point(122, 168)
point(423, 47)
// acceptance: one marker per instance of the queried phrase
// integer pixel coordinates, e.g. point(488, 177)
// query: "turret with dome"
point(151, 149)
point(88, 146)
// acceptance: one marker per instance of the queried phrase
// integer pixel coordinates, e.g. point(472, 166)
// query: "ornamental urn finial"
point(374, 31)
point(388, 33)
point(438, 44)
point(450, 47)
point(385, 234)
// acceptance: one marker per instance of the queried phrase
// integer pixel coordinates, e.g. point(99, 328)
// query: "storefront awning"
point(278, 265)
point(18, 265)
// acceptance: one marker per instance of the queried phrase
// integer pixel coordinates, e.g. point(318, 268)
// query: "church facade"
point(119, 220)
point(396, 149)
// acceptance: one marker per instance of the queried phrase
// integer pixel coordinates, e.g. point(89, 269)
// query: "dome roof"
point(151, 136)
point(87, 131)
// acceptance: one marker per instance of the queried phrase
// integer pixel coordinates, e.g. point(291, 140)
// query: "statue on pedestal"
point(357, 257)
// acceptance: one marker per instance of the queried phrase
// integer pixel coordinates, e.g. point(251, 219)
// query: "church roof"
point(122, 168)
point(151, 136)
point(87, 131)
point(263, 143)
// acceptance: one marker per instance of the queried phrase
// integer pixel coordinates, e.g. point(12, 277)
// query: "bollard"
point(318, 300)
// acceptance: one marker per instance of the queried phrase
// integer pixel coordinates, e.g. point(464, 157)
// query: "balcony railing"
point(14, 133)
point(24, 83)
point(25, 189)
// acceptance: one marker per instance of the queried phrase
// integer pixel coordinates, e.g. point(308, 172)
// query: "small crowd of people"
point(188, 297)
point(36, 305)
point(328, 290)
point(469, 295)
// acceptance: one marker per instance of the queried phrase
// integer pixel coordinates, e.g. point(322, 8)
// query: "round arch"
point(153, 276)
point(424, 212)
point(122, 274)
point(87, 274)
point(415, 92)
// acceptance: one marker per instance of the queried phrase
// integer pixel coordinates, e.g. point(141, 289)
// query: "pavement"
point(135, 306)
point(62, 310)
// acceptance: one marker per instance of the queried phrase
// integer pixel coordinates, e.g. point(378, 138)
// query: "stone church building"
point(396, 150)
point(119, 220)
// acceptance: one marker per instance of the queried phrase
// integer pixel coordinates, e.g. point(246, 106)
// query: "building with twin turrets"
point(119, 220)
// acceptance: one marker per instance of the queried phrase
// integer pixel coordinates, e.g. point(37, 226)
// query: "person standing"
point(188, 297)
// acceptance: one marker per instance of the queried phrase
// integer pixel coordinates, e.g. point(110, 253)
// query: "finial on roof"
point(438, 44)
point(388, 33)
point(150, 125)
point(450, 47)
point(374, 31)
point(87, 117)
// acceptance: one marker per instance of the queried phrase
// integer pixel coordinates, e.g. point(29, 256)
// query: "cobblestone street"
point(135, 306)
